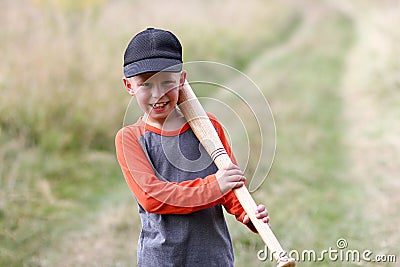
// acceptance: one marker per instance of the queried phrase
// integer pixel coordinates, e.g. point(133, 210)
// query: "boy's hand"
point(229, 178)
point(261, 213)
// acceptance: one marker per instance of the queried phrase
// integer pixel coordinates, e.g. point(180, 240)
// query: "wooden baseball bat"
point(208, 137)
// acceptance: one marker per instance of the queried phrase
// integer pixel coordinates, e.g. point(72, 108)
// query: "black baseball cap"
point(152, 50)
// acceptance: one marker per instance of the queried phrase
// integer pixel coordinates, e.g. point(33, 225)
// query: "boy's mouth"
point(159, 105)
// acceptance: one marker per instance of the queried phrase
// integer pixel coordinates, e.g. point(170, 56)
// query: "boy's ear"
point(128, 86)
point(182, 78)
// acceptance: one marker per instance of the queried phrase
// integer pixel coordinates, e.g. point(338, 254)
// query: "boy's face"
point(156, 93)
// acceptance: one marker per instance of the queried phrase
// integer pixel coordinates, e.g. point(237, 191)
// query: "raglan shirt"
point(180, 204)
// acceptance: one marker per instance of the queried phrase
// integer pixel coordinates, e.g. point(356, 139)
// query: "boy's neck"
point(175, 121)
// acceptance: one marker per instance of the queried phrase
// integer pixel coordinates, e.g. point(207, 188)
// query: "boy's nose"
point(157, 91)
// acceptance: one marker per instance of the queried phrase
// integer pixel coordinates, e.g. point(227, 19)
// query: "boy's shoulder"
point(137, 128)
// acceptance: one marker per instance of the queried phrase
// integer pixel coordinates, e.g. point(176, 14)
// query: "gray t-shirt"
point(198, 239)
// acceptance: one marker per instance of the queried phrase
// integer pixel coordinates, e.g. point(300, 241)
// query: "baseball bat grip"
point(208, 137)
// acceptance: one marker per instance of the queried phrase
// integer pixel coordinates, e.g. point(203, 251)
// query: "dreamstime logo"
point(340, 253)
point(243, 112)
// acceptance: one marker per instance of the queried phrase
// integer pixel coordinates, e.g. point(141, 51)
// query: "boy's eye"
point(168, 82)
point(145, 84)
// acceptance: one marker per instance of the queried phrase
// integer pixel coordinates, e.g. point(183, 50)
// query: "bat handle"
point(286, 262)
point(263, 229)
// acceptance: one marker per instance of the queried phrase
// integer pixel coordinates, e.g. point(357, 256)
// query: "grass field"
point(329, 69)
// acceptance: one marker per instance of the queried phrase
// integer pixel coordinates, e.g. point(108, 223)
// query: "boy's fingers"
point(234, 172)
point(261, 214)
point(266, 219)
point(238, 184)
point(261, 208)
point(236, 178)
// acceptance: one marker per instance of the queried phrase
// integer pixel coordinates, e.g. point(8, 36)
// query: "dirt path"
point(372, 98)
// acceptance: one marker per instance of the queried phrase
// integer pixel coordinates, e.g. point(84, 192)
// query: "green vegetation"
point(311, 193)
point(63, 199)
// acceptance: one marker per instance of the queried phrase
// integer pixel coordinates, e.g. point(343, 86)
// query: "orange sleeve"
point(155, 195)
point(230, 201)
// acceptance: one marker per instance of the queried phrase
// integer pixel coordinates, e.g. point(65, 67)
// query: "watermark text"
point(339, 253)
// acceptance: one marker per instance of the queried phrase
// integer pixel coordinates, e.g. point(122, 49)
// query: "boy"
point(179, 190)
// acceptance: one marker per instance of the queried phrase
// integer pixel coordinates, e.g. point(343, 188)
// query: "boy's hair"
point(152, 50)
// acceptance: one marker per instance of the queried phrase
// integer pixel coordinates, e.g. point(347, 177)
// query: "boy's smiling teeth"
point(159, 105)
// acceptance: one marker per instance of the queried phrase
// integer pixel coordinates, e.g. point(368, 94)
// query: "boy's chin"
point(159, 117)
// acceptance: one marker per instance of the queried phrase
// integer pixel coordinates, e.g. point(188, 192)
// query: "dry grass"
point(61, 202)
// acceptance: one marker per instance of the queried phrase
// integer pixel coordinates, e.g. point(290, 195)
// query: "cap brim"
point(152, 65)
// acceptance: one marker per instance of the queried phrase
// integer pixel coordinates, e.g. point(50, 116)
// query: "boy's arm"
point(158, 196)
point(230, 201)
